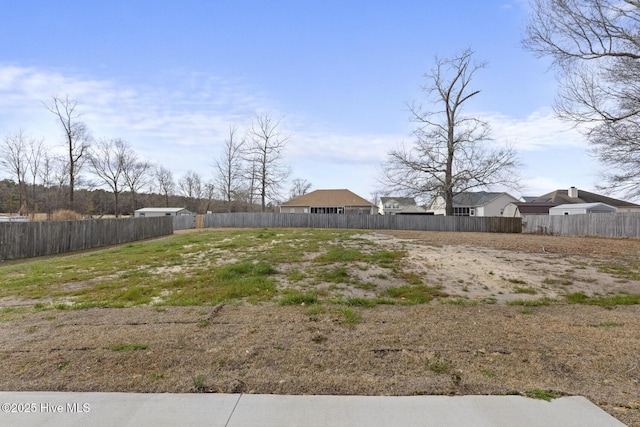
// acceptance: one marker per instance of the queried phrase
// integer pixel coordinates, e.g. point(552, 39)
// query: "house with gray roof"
point(542, 205)
point(475, 203)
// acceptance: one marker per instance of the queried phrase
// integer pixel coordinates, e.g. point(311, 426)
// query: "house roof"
point(476, 198)
point(167, 210)
point(534, 207)
point(413, 209)
point(403, 201)
point(329, 198)
point(560, 197)
point(585, 206)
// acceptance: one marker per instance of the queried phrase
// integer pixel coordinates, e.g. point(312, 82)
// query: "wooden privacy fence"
point(184, 222)
point(32, 239)
point(365, 222)
point(601, 224)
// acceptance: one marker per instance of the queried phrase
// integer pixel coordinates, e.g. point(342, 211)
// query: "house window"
point(462, 211)
point(396, 206)
point(324, 210)
point(387, 206)
point(472, 212)
point(292, 210)
point(305, 210)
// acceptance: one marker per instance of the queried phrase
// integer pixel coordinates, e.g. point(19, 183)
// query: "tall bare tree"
point(76, 134)
point(164, 178)
point(108, 160)
point(452, 152)
point(299, 187)
point(35, 155)
point(14, 158)
point(229, 169)
point(136, 174)
point(264, 150)
point(190, 186)
point(595, 46)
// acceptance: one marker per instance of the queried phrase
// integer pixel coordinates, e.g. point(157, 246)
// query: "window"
point(462, 211)
point(305, 210)
point(292, 210)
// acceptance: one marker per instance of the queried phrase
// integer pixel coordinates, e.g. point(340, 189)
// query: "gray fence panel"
point(32, 239)
point(184, 222)
point(602, 225)
point(364, 222)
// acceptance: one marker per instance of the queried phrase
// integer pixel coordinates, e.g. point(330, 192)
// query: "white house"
point(479, 203)
point(151, 212)
point(582, 209)
point(399, 206)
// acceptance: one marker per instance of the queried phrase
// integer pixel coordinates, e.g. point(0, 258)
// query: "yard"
point(331, 312)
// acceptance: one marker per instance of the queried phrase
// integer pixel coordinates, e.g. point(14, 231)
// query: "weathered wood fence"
point(31, 239)
point(603, 225)
point(365, 222)
point(184, 222)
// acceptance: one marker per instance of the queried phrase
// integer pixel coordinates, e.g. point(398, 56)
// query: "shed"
point(581, 209)
point(151, 212)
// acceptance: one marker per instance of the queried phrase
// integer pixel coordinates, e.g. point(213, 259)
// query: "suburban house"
point(399, 206)
point(478, 203)
point(151, 212)
point(542, 205)
point(329, 202)
point(581, 209)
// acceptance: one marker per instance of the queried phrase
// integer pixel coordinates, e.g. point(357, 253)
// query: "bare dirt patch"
point(389, 350)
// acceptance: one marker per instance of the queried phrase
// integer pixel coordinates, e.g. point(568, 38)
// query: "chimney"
point(573, 192)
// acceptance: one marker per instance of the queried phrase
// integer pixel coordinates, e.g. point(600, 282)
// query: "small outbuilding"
point(581, 209)
point(152, 212)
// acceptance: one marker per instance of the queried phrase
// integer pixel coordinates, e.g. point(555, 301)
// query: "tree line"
point(106, 176)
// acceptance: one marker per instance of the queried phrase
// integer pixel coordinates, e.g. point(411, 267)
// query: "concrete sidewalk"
point(55, 409)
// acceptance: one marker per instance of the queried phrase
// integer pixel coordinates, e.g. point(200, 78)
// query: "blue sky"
point(170, 77)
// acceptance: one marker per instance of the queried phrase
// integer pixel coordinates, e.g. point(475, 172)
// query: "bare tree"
point(35, 155)
point(452, 152)
point(190, 186)
point(299, 187)
point(136, 174)
point(14, 158)
point(166, 183)
point(264, 152)
point(77, 137)
point(47, 176)
point(107, 159)
point(595, 46)
point(229, 168)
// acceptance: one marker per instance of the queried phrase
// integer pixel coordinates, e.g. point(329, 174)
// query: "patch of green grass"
point(337, 274)
point(609, 325)
point(440, 366)
point(128, 347)
point(627, 272)
point(416, 294)
point(536, 393)
point(459, 301)
point(349, 317)
point(297, 298)
point(522, 290)
point(532, 302)
point(488, 373)
point(339, 254)
point(360, 302)
point(517, 281)
point(603, 301)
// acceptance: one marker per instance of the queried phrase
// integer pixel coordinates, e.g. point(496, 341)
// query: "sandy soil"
point(488, 348)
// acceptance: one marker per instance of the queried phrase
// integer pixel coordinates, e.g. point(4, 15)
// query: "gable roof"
point(403, 201)
point(586, 206)
point(328, 198)
point(534, 207)
point(560, 197)
point(475, 198)
point(161, 210)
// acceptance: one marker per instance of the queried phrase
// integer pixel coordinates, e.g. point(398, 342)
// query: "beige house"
point(329, 202)
point(478, 203)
